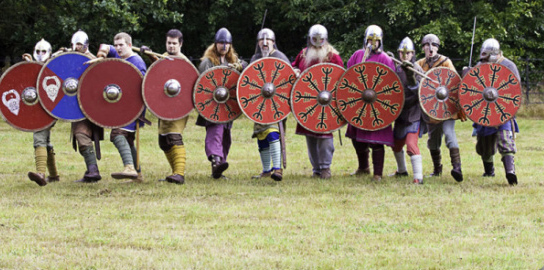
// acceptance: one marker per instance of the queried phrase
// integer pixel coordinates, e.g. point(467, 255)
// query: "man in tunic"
point(320, 146)
point(437, 128)
point(218, 138)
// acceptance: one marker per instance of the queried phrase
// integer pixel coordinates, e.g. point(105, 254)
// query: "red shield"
point(313, 99)
point(58, 83)
point(214, 95)
point(440, 101)
point(370, 96)
point(110, 93)
point(20, 106)
point(490, 94)
point(167, 88)
point(264, 89)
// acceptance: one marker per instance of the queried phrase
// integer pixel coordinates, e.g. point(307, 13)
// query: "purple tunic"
point(382, 136)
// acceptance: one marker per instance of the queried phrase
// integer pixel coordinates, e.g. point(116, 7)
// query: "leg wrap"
point(123, 147)
point(265, 159)
point(378, 155)
point(275, 153)
point(40, 155)
point(51, 164)
point(361, 149)
point(401, 161)
point(417, 166)
point(89, 155)
point(177, 157)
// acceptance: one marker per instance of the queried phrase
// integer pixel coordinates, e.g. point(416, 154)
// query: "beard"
point(265, 51)
point(315, 54)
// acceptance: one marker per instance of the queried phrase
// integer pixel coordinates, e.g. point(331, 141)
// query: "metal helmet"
point(223, 36)
point(406, 45)
point(42, 51)
point(266, 33)
point(373, 33)
point(318, 35)
point(491, 50)
point(430, 39)
point(80, 37)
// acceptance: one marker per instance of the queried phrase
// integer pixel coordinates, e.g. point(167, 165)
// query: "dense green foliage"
point(517, 24)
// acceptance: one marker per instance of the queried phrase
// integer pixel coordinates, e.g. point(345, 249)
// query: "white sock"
point(417, 167)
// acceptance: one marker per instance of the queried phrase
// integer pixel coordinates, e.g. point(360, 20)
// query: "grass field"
point(240, 223)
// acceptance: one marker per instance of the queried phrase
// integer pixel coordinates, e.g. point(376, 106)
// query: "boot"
point(437, 162)
point(128, 173)
point(456, 164)
point(91, 175)
point(40, 157)
point(510, 170)
point(218, 166)
point(360, 172)
point(489, 169)
point(176, 179)
point(361, 149)
point(325, 173)
point(277, 175)
point(262, 175)
point(52, 166)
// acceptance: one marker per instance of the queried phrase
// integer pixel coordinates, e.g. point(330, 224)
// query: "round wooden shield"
point(168, 86)
point(110, 93)
point(370, 96)
point(440, 100)
point(264, 88)
point(313, 99)
point(214, 95)
point(490, 94)
point(20, 107)
point(58, 83)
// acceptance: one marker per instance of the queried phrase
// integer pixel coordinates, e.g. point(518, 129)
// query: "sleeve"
point(336, 59)
point(113, 53)
point(298, 60)
point(204, 65)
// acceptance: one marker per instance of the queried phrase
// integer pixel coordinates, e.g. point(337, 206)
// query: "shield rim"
point(79, 92)
point(143, 89)
point(194, 93)
point(291, 90)
point(419, 94)
point(54, 120)
point(79, 79)
point(400, 83)
point(517, 108)
point(292, 93)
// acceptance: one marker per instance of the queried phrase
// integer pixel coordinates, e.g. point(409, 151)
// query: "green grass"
point(240, 223)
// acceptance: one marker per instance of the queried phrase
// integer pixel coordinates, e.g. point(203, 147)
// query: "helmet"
point(491, 50)
point(42, 51)
point(266, 33)
point(80, 37)
point(406, 45)
point(374, 33)
point(430, 39)
point(318, 35)
point(223, 36)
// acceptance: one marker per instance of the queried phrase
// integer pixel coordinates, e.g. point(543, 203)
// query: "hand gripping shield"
point(264, 88)
point(313, 99)
point(214, 95)
point(440, 101)
point(168, 87)
point(58, 83)
point(20, 107)
point(490, 94)
point(370, 96)
point(110, 93)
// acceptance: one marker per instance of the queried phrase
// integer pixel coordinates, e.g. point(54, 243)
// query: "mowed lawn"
point(241, 223)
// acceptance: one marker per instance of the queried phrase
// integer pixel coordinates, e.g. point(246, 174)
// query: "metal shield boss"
point(264, 88)
point(314, 98)
point(440, 101)
point(168, 87)
point(490, 94)
point(370, 96)
point(214, 95)
point(58, 83)
point(110, 93)
point(20, 106)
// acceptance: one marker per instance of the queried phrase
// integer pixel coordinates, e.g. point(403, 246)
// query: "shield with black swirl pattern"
point(490, 94)
point(439, 99)
point(313, 99)
point(214, 95)
point(370, 96)
point(264, 88)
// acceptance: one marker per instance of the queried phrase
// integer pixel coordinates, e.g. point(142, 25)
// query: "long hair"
point(212, 53)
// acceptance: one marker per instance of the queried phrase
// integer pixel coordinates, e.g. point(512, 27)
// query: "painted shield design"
point(264, 88)
point(168, 87)
point(370, 96)
point(20, 107)
point(490, 94)
point(440, 101)
point(313, 99)
point(110, 93)
point(58, 83)
point(214, 95)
